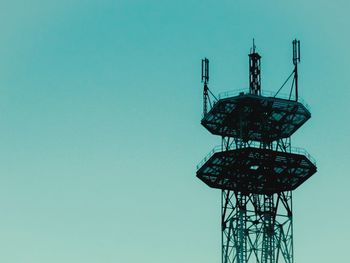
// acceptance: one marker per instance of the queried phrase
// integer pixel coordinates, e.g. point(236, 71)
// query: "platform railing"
point(219, 148)
point(265, 93)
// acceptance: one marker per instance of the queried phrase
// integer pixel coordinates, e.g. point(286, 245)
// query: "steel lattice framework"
point(257, 228)
point(255, 166)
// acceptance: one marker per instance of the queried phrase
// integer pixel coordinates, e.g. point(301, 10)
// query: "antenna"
point(253, 46)
point(205, 70)
point(254, 71)
point(296, 52)
point(205, 79)
point(296, 61)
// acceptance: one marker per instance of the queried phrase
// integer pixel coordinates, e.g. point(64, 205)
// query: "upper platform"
point(257, 118)
point(256, 170)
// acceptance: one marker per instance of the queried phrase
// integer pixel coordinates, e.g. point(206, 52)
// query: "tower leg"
point(268, 218)
point(234, 243)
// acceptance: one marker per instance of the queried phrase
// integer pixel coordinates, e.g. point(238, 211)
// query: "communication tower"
point(255, 166)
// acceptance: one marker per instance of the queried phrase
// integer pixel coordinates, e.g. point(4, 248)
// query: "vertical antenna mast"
point(296, 61)
point(254, 72)
point(205, 79)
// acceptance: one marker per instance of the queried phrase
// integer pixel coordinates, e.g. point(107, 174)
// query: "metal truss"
point(257, 228)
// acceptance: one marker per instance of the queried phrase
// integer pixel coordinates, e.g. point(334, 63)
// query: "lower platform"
point(255, 170)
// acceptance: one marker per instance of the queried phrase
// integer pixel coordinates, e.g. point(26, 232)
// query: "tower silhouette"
point(255, 166)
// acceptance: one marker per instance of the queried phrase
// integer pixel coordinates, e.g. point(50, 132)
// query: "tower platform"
point(255, 170)
point(257, 118)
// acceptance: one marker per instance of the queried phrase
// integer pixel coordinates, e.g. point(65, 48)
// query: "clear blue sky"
point(100, 105)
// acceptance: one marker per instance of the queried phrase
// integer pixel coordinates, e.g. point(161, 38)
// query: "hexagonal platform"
point(254, 170)
point(257, 118)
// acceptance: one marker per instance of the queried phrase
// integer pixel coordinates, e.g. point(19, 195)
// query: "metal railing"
point(265, 93)
point(219, 148)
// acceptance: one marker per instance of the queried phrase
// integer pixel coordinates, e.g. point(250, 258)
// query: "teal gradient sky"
point(100, 106)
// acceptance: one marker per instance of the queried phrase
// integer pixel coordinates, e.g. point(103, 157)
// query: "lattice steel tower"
point(255, 166)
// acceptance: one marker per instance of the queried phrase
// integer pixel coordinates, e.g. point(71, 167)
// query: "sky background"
point(100, 107)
